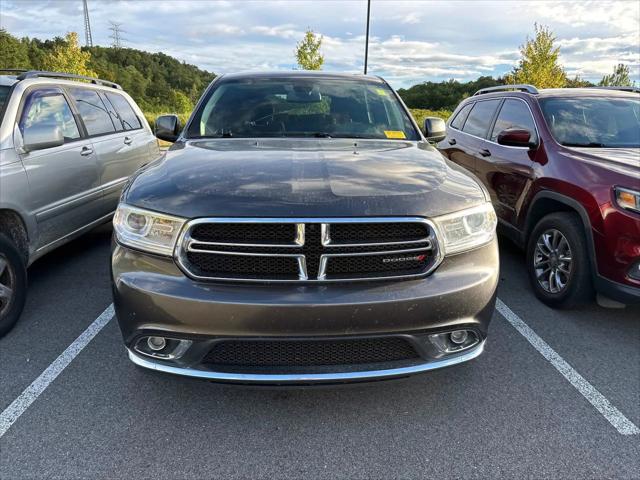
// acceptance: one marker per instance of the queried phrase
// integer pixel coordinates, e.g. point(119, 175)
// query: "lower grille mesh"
point(248, 266)
point(292, 353)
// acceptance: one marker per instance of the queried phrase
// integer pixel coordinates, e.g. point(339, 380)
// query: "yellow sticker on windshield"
point(381, 91)
point(394, 134)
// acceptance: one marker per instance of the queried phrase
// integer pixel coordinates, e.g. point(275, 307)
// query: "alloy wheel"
point(7, 284)
point(552, 261)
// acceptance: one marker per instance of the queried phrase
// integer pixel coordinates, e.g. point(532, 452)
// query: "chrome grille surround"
point(430, 245)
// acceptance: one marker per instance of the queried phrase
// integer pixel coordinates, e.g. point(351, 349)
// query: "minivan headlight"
point(144, 230)
point(467, 229)
point(628, 199)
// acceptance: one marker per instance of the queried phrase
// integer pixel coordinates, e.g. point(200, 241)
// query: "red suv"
point(563, 170)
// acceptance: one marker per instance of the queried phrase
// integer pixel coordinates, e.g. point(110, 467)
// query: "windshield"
point(593, 121)
point(4, 94)
point(301, 107)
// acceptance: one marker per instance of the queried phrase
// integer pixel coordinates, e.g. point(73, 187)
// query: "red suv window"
point(480, 118)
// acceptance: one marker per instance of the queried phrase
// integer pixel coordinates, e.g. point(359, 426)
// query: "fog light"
point(156, 343)
point(454, 341)
point(459, 337)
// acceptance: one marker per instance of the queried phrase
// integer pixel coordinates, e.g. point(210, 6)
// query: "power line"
point(116, 35)
point(88, 39)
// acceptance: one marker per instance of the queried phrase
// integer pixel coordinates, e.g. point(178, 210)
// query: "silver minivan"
point(68, 145)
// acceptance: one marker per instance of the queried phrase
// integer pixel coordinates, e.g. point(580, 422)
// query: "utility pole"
point(366, 45)
point(116, 35)
point(88, 40)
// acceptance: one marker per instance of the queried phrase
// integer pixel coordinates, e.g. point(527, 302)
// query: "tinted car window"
point(480, 117)
point(4, 94)
point(461, 116)
point(93, 111)
point(593, 121)
point(125, 113)
point(302, 107)
point(514, 114)
point(49, 108)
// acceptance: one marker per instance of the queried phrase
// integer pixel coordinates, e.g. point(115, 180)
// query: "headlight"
point(467, 229)
point(144, 230)
point(628, 199)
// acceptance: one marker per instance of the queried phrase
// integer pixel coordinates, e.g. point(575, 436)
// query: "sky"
point(410, 41)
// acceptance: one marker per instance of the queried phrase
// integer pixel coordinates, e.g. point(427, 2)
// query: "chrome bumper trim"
point(292, 379)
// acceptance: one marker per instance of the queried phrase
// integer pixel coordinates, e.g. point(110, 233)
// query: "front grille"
point(315, 250)
point(304, 353)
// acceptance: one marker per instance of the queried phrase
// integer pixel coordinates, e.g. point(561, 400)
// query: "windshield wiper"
point(588, 144)
point(306, 134)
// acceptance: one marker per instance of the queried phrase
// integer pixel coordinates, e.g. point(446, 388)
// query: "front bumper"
point(153, 297)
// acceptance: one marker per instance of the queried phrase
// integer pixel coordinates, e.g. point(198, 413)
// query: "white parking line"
point(9, 416)
point(588, 391)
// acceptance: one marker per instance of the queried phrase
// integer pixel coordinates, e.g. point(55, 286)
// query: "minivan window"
point(93, 112)
point(125, 113)
point(458, 121)
point(302, 107)
point(514, 114)
point(593, 121)
point(49, 108)
point(480, 117)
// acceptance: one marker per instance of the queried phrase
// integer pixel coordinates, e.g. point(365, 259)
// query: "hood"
point(302, 178)
point(625, 161)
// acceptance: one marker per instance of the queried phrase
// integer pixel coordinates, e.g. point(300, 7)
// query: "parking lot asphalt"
point(508, 414)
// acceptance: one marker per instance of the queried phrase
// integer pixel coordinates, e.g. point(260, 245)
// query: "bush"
point(151, 117)
point(420, 114)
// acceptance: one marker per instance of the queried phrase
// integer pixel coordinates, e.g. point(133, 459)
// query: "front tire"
point(558, 261)
point(13, 284)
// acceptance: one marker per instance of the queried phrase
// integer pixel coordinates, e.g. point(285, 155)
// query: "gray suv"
point(68, 145)
point(302, 229)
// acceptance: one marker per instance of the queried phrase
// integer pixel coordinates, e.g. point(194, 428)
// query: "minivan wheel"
point(558, 261)
point(13, 284)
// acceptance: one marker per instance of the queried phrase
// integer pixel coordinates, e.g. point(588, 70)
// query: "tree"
point(539, 63)
point(308, 51)
point(15, 54)
point(619, 78)
point(578, 82)
point(69, 58)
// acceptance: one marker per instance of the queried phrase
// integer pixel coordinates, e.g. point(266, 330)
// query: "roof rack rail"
point(70, 76)
point(505, 88)
point(622, 89)
point(14, 70)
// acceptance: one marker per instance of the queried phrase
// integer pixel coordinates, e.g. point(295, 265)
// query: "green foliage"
point(15, 54)
point(444, 95)
point(619, 78)
point(151, 117)
point(419, 114)
point(539, 65)
point(578, 82)
point(67, 57)
point(308, 53)
point(157, 82)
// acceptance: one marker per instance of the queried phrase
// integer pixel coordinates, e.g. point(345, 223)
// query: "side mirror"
point(39, 137)
point(168, 128)
point(435, 130)
point(515, 137)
